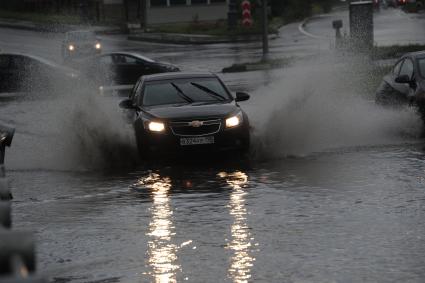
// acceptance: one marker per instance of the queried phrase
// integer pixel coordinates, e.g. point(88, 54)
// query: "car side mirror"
point(242, 96)
point(403, 79)
point(127, 104)
point(6, 135)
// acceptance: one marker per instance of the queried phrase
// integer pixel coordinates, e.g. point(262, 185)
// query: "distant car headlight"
point(98, 46)
point(71, 47)
point(156, 126)
point(234, 121)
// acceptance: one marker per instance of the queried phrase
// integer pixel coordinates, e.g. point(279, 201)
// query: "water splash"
point(322, 104)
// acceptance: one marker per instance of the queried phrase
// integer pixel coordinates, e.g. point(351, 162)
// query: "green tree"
point(291, 9)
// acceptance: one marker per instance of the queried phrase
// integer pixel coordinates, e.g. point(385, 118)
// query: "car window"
point(137, 93)
point(124, 59)
point(421, 63)
point(119, 59)
point(397, 67)
point(161, 94)
point(132, 60)
point(184, 91)
point(4, 61)
point(134, 90)
point(204, 90)
point(81, 36)
point(407, 68)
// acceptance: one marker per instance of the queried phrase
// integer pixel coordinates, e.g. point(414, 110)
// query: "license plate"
point(196, 140)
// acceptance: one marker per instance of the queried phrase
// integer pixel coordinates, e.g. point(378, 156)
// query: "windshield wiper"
point(182, 94)
point(209, 91)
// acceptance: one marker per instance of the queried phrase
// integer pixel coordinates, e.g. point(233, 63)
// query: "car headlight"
point(234, 121)
point(98, 46)
point(71, 47)
point(156, 126)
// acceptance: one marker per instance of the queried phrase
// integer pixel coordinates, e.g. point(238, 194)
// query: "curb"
point(195, 39)
point(301, 27)
point(23, 26)
point(55, 28)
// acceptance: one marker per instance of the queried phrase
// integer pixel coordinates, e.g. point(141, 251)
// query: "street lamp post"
point(232, 15)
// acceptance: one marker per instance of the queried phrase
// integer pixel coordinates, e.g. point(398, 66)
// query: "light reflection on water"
point(241, 243)
point(162, 253)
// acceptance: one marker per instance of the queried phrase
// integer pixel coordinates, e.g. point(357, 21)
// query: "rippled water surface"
point(351, 215)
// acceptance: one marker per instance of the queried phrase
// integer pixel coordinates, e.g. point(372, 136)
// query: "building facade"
point(149, 12)
point(155, 12)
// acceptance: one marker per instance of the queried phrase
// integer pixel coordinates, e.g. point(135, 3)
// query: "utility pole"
point(232, 15)
point(265, 30)
point(143, 14)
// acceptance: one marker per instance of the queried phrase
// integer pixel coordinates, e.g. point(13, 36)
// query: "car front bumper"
point(236, 139)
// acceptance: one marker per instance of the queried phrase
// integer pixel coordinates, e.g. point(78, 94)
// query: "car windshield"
point(422, 67)
point(81, 36)
point(184, 91)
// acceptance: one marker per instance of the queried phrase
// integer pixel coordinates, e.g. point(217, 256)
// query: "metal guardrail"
point(17, 248)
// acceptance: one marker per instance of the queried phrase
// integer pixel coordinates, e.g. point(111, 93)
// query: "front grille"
point(186, 128)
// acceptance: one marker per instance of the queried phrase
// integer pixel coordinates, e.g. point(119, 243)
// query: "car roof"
point(134, 54)
point(416, 55)
point(39, 59)
point(73, 32)
point(34, 57)
point(177, 75)
point(80, 35)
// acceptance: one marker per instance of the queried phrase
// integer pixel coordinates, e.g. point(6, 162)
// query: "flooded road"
point(355, 215)
point(333, 191)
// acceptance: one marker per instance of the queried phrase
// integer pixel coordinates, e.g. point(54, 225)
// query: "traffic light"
point(246, 14)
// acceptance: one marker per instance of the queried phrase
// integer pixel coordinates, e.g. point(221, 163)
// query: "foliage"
point(395, 51)
point(217, 28)
point(292, 10)
point(47, 18)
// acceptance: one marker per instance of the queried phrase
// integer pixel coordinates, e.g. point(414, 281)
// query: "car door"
point(389, 92)
point(119, 68)
point(131, 68)
point(30, 74)
point(137, 68)
point(6, 74)
point(103, 70)
point(19, 69)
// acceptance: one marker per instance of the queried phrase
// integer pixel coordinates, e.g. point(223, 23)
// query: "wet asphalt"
point(333, 190)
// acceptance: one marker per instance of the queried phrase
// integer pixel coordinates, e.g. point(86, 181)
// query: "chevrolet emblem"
point(196, 124)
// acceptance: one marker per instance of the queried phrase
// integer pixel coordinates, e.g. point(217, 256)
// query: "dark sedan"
point(123, 68)
point(28, 73)
point(405, 84)
point(180, 112)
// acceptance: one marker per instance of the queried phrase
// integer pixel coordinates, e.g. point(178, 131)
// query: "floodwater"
point(333, 191)
point(355, 215)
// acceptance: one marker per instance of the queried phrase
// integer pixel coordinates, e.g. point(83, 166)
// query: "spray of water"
point(316, 105)
point(98, 134)
point(69, 127)
point(322, 104)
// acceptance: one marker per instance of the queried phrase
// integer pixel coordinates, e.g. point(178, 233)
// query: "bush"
point(292, 10)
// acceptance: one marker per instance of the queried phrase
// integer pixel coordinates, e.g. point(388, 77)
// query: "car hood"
point(192, 111)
